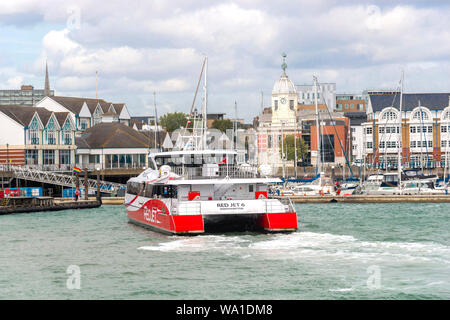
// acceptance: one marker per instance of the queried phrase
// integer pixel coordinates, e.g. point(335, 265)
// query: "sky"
point(141, 47)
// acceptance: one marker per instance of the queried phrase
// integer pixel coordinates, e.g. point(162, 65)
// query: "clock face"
point(283, 100)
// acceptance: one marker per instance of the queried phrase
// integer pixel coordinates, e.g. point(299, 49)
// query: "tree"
point(289, 148)
point(173, 121)
point(222, 124)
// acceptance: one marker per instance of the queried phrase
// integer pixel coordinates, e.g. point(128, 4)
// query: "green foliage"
point(289, 148)
point(173, 121)
point(222, 125)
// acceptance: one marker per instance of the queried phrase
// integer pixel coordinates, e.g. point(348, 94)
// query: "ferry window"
point(164, 191)
point(151, 164)
point(148, 191)
point(134, 188)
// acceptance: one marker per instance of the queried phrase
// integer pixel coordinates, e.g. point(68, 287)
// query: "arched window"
point(420, 115)
point(389, 115)
point(446, 115)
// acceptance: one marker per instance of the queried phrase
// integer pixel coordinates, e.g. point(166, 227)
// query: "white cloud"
point(141, 47)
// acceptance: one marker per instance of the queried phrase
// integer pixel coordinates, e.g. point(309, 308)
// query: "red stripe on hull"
point(284, 221)
point(155, 214)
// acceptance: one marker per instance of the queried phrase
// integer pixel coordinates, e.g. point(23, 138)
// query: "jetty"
point(12, 205)
point(368, 198)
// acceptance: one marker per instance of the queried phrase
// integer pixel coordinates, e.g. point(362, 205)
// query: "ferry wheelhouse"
point(205, 191)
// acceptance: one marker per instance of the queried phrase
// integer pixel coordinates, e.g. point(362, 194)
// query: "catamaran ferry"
point(193, 192)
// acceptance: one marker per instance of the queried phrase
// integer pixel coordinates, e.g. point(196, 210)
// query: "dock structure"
point(61, 179)
point(369, 198)
point(35, 204)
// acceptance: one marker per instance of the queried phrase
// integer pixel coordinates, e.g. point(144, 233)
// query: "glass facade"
point(22, 97)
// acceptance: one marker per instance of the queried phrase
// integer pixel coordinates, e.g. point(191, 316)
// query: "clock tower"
point(284, 99)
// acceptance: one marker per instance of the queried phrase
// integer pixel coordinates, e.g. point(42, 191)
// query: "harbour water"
point(341, 251)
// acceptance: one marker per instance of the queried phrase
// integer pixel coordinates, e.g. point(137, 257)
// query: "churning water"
point(341, 251)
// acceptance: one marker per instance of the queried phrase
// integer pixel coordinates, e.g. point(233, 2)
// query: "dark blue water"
point(341, 251)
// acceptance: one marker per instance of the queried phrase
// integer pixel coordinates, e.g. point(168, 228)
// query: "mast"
point(156, 115)
point(235, 127)
point(205, 105)
point(319, 151)
point(400, 146)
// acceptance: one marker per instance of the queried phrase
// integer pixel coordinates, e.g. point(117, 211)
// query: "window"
point(346, 106)
point(430, 129)
point(430, 144)
point(389, 115)
point(369, 145)
point(413, 144)
point(276, 104)
point(443, 144)
point(369, 130)
point(84, 124)
point(382, 144)
point(64, 156)
point(381, 130)
point(250, 188)
point(31, 157)
point(420, 115)
point(444, 129)
point(134, 188)
point(48, 157)
point(412, 129)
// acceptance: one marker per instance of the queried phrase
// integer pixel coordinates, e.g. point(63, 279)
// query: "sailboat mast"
point(400, 146)
point(319, 165)
point(205, 104)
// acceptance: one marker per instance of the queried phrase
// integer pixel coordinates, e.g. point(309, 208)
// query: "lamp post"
point(99, 198)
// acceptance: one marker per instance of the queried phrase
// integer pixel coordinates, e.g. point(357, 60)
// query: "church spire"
point(47, 82)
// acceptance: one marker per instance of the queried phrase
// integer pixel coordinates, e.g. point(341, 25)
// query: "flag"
point(76, 170)
point(223, 161)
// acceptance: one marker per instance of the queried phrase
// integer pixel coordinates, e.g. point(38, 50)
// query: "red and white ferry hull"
point(155, 214)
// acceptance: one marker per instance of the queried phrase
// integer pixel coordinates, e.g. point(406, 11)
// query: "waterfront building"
point(27, 95)
point(36, 137)
point(425, 130)
point(356, 119)
point(326, 94)
point(112, 145)
point(350, 103)
point(87, 112)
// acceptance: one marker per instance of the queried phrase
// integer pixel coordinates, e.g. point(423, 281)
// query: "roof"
point(433, 101)
point(284, 85)
point(23, 115)
point(74, 104)
point(111, 135)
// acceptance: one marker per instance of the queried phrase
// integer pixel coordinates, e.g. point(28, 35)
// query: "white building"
point(424, 138)
point(87, 112)
point(36, 137)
